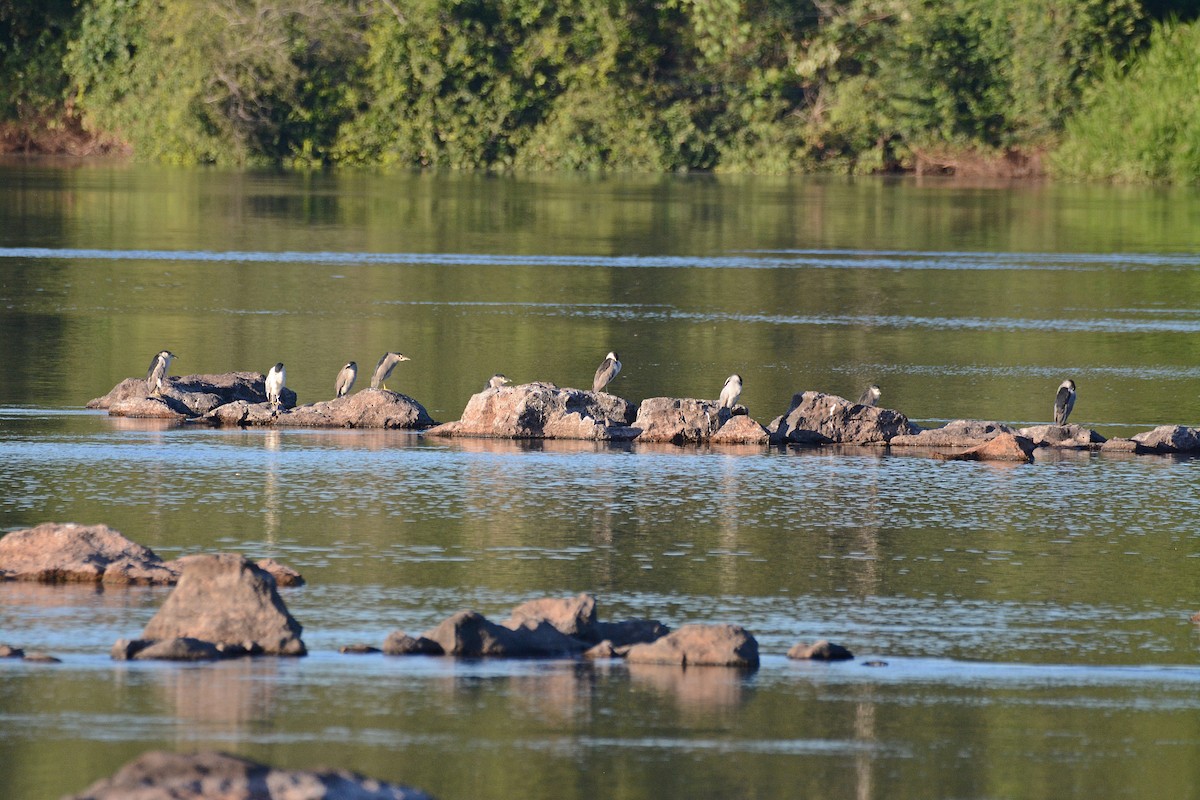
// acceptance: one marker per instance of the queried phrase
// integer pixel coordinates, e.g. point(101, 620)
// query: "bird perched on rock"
point(345, 379)
point(496, 381)
point(731, 392)
point(606, 372)
point(384, 368)
point(276, 377)
point(1064, 401)
point(870, 396)
point(158, 370)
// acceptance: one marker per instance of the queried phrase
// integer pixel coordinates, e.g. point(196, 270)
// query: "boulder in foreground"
point(228, 601)
point(543, 411)
point(69, 553)
point(700, 645)
point(818, 418)
point(159, 775)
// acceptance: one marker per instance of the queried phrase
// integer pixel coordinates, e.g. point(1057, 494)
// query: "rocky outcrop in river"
point(817, 418)
point(543, 411)
point(240, 398)
point(691, 421)
point(159, 775)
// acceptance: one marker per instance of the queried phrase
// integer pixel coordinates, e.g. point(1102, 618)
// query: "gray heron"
point(731, 392)
point(384, 368)
point(606, 372)
point(1064, 401)
point(345, 379)
point(276, 377)
point(870, 396)
point(158, 370)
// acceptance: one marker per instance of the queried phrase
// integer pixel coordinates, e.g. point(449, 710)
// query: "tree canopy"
point(671, 85)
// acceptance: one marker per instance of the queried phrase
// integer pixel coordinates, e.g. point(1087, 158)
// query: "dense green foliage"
point(1142, 122)
point(733, 85)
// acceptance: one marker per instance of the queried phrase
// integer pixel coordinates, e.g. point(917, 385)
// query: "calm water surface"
point(1033, 620)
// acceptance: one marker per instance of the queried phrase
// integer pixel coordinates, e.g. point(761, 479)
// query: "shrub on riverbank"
point(1141, 123)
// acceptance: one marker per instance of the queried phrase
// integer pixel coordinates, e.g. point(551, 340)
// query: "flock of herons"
point(1064, 400)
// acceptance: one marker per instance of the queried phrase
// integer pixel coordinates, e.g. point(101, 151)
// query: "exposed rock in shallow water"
point(818, 418)
point(66, 553)
point(741, 429)
point(399, 643)
point(677, 420)
point(468, 634)
point(821, 650)
point(1064, 436)
point(700, 645)
point(1169, 439)
point(187, 395)
point(227, 600)
point(543, 411)
point(159, 775)
point(1005, 447)
point(370, 408)
point(576, 617)
point(959, 433)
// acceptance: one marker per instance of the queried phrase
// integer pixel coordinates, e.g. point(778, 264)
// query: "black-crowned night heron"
point(870, 396)
point(384, 368)
point(276, 377)
point(606, 372)
point(1064, 401)
point(731, 391)
point(345, 379)
point(158, 370)
point(496, 381)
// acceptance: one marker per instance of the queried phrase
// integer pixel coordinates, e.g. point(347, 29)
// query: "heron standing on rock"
point(870, 396)
point(496, 381)
point(384, 368)
point(345, 379)
point(1064, 401)
point(606, 372)
point(731, 392)
point(158, 370)
point(276, 377)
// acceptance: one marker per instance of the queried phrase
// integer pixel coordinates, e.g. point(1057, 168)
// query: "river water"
point(1032, 622)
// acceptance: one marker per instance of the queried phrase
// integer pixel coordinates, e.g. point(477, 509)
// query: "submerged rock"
point(818, 418)
point(159, 775)
point(69, 553)
point(543, 411)
point(228, 601)
point(700, 645)
point(959, 433)
point(399, 643)
point(1169, 439)
point(1072, 437)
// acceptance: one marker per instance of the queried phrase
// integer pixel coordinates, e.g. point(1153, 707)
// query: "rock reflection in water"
point(225, 697)
point(699, 690)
